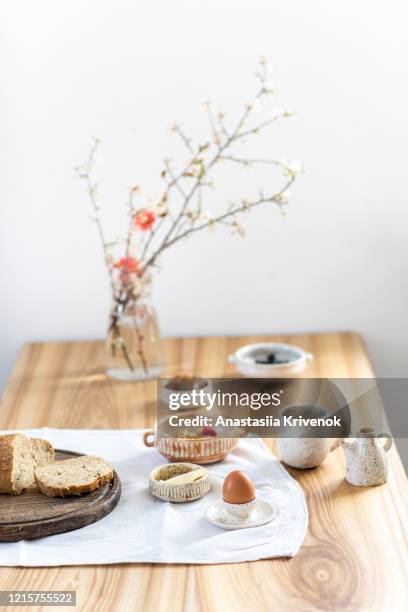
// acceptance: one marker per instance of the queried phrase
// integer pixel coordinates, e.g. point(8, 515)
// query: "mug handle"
point(146, 436)
point(388, 442)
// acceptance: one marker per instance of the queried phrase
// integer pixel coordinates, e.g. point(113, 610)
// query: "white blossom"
point(269, 87)
point(283, 197)
point(291, 168)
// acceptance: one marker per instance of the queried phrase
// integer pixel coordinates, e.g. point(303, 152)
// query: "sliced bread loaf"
point(19, 456)
point(73, 476)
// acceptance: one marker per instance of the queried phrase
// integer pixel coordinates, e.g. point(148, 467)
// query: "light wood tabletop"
point(355, 554)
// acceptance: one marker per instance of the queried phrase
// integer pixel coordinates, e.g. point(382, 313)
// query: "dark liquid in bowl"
point(271, 358)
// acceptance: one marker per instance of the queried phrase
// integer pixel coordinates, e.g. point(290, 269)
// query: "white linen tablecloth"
point(145, 529)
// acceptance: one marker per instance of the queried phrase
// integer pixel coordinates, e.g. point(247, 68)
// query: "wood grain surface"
point(355, 553)
point(33, 515)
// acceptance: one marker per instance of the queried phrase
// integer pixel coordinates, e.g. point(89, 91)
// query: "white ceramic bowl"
point(246, 360)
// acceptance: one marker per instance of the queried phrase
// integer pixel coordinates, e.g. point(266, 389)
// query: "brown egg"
point(238, 488)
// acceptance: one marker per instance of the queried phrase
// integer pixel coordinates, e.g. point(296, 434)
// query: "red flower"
point(130, 264)
point(144, 219)
point(127, 266)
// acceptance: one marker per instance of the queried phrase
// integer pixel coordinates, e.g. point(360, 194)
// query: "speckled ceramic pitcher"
point(366, 458)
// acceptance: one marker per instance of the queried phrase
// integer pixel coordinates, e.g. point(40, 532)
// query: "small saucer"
point(262, 513)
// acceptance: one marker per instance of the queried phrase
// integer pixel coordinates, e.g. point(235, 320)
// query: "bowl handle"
point(146, 435)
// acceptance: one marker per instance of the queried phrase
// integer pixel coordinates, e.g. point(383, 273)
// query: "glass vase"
point(134, 347)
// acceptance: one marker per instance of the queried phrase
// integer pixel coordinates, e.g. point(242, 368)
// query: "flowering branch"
point(277, 198)
point(180, 210)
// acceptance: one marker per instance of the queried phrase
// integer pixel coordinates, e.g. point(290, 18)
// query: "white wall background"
point(124, 70)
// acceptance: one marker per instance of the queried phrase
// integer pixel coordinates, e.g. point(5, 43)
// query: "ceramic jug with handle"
point(366, 458)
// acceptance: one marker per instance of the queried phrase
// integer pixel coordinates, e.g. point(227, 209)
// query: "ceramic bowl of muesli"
point(202, 445)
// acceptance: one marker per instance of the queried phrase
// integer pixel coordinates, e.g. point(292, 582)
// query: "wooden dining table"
point(355, 553)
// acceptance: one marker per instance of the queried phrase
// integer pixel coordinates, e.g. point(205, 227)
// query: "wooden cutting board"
point(33, 515)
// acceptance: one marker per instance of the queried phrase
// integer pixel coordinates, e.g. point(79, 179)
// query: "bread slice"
point(19, 456)
point(73, 476)
point(43, 453)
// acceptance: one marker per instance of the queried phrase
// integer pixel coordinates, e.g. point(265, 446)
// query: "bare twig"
point(249, 161)
point(85, 172)
point(187, 141)
point(140, 341)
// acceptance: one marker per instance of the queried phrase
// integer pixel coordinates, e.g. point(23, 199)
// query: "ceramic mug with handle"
point(300, 450)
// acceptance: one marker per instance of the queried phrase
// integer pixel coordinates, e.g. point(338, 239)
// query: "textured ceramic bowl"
point(192, 450)
point(178, 493)
point(246, 360)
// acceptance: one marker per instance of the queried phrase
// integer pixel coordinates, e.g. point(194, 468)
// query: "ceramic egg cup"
point(240, 511)
point(240, 516)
